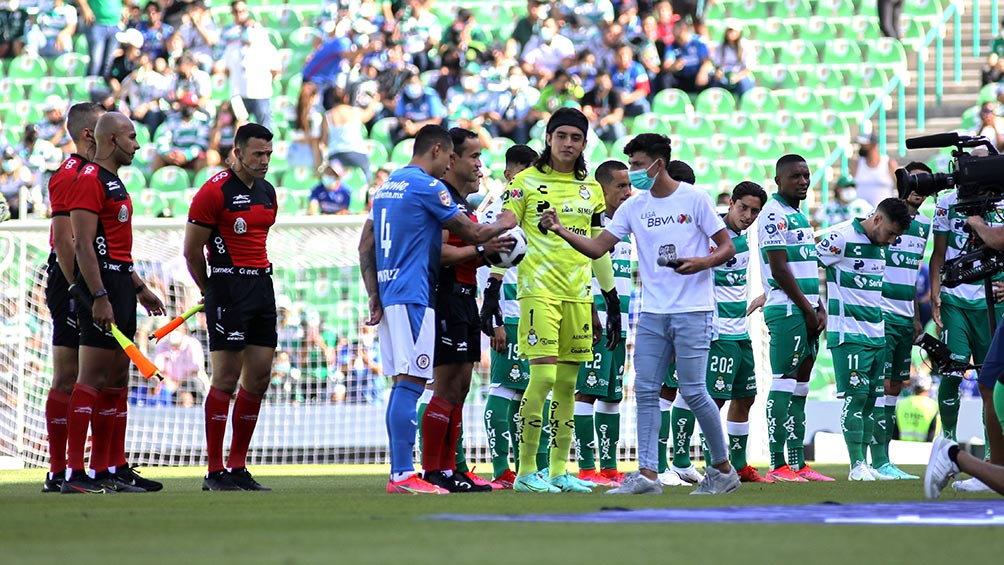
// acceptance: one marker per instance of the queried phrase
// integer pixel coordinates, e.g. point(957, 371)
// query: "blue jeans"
point(992, 371)
point(101, 44)
point(659, 338)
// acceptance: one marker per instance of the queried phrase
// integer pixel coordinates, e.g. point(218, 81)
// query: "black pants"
point(888, 13)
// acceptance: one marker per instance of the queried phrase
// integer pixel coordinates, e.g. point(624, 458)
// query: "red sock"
point(449, 455)
point(57, 408)
point(102, 427)
point(117, 453)
point(246, 409)
point(435, 431)
point(81, 405)
point(217, 408)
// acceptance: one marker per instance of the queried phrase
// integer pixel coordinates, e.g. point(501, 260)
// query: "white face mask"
point(470, 83)
point(413, 91)
point(848, 194)
point(546, 34)
point(518, 82)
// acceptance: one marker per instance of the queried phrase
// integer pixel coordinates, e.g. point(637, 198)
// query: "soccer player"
point(101, 223)
point(228, 222)
point(672, 223)
point(599, 388)
point(902, 325)
point(458, 330)
point(398, 268)
point(80, 123)
point(555, 324)
point(509, 372)
point(794, 314)
point(854, 256)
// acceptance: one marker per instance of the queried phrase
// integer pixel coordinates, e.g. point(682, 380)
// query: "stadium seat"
point(142, 134)
point(298, 201)
point(825, 77)
point(928, 11)
point(816, 30)
point(814, 149)
point(380, 132)
point(741, 169)
point(280, 152)
point(149, 204)
point(80, 44)
point(763, 55)
point(291, 86)
point(9, 91)
point(684, 149)
point(672, 101)
point(70, 65)
point(970, 118)
point(868, 78)
point(849, 102)
point(27, 67)
point(842, 52)
point(40, 89)
point(863, 28)
point(793, 9)
point(740, 126)
point(887, 53)
point(648, 122)
point(695, 129)
point(27, 112)
point(170, 178)
point(284, 19)
point(201, 176)
point(299, 178)
point(759, 102)
point(785, 125)
point(143, 159)
point(802, 102)
point(220, 88)
point(777, 77)
point(829, 126)
point(835, 10)
point(133, 177)
point(402, 152)
point(798, 52)
point(749, 9)
point(715, 101)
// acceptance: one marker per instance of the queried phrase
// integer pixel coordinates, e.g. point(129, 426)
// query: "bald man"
point(101, 219)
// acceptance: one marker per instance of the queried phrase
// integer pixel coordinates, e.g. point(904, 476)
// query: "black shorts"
point(122, 295)
point(458, 326)
point(62, 307)
point(240, 310)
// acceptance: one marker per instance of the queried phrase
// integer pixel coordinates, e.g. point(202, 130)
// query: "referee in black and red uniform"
point(228, 222)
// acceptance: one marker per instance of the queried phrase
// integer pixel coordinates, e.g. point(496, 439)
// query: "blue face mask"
point(328, 182)
point(640, 179)
point(9, 166)
point(413, 91)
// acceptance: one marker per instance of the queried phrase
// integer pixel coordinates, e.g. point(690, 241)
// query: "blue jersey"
point(408, 213)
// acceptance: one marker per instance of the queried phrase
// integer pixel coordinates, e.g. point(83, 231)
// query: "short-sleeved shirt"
point(902, 267)
point(100, 191)
point(620, 258)
point(677, 225)
point(331, 201)
point(782, 226)
point(239, 217)
point(693, 55)
point(427, 107)
point(730, 291)
point(634, 78)
point(603, 105)
point(997, 46)
point(552, 268)
point(60, 186)
point(950, 223)
point(507, 301)
point(409, 210)
point(854, 270)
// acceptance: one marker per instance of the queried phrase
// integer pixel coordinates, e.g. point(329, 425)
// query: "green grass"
point(339, 514)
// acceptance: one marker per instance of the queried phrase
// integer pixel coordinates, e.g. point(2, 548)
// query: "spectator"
point(547, 51)
point(585, 69)
point(53, 127)
point(342, 130)
point(143, 91)
point(528, 26)
point(190, 79)
point(993, 68)
point(252, 64)
point(175, 47)
point(889, 12)
point(221, 135)
point(101, 21)
point(182, 363)
point(990, 125)
point(630, 19)
point(606, 47)
point(417, 107)
point(646, 46)
point(128, 60)
point(467, 102)
point(379, 177)
point(155, 31)
point(561, 92)
point(14, 179)
point(603, 106)
point(631, 79)
point(305, 137)
point(464, 37)
point(420, 31)
point(693, 10)
point(285, 380)
point(331, 196)
point(733, 60)
point(320, 355)
point(52, 35)
point(845, 204)
point(874, 173)
point(290, 333)
point(665, 19)
point(200, 33)
point(686, 64)
point(917, 414)
point(183, 139)
point(449, 74)
point(510, 115)
point(232, 35)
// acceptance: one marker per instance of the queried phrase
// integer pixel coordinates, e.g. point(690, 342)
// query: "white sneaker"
point(689, 474)
point(879, 476)
point(861, 472)
point(970, 485)
point(671, 479)
point(717, 482)
point(940, 468)
point(636, 483)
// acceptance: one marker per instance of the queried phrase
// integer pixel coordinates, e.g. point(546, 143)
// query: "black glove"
point(613, 318)
point(491, 312)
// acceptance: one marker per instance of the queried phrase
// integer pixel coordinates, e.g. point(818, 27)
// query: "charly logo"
point(240, 226)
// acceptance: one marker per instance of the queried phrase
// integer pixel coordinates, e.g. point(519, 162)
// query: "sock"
point(608, 429)
point(243, 421)
point(497, 429)
point(562, 417)
point(423, 405)
point(81, 406)
point(512, 421)
point(530, 410)
point(796, 434)
point(739, 433)
point(890, 419)
point(953, 453)
point(852, 424)
point(544, 445)
point(117, 454)
point(868, 425)
point(879, 445)
point(999, 401)
point(704, 450)
point(453, 452)
point(948, 404)
point(585, 439)
point(401, 426)
point(435, 434)
point(683, 430)
point(778, 403)
point(102, 428)
point(217, 410)
point(666, 424)
point(57, 409)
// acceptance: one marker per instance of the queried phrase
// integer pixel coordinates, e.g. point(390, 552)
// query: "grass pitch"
point(340, 514)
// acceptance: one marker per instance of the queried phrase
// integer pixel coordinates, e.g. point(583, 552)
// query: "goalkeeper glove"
point(491, 312)
point(613, 318)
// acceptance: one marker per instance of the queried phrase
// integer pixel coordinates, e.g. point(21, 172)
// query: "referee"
point(228, 221)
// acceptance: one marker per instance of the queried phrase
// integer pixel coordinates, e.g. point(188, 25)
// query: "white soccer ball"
point(513, 257)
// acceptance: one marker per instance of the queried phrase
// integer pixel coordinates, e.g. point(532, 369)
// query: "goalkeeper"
point(555, 324)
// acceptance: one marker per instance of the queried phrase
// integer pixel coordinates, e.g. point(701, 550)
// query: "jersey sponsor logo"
point(580, 231)
point(387, 275)
point(240, 226)
point(941, 212)
point(444, 197)
point(859, 264)
point(219, 176)
point(241, 200)
point(221, 247)
point(804, 252)
point(101, 245)
point(900, 259)
point(567, 208)
point(516, 194)
point(580, 350)
point(235, 336)
point(736, 278)
point(657, 221)
point(422, 361)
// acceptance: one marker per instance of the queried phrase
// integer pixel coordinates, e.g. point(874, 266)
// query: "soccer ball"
point(511, 258)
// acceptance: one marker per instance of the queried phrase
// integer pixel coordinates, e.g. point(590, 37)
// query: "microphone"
point(668, 259)
point(937, 141)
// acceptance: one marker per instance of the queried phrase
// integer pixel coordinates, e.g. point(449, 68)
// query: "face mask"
point(413, 91)
point(9, 166)
point(518, 83)
point(546, 34)
point(328, 182)
point(470, 83)
point(848, 194)
point(587, 70)
point(640, 179)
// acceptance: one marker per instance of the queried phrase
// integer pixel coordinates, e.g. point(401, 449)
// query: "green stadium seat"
point(763, 149)
point(149, 204)
point(778, 77)
point(204, 174)
point(715, 101)
point(596, 151)
point(814, 149)
point(672, 101)
point(912, 32)
point(648, 122)
point(380, 132)
point(280, 154)
point(928, 11)
point(143, 159)
point(696, 128)
point(793, 9)
point(970, 118)
point(379, 156)
point(291, 85)
point(763, 55)
point(829, 126)
point(759, 102)
point(816, 30)
point(70, 65)
point(298, 201)
point(176, 203)
point(843, 52)
point(773, 31)
point(988, 93)
point(40, 89)
point(750, 9)
point(706, 171)
point(299, 178)
point(826, 77)
point(402, 152)
point(10, 91)
point(133, 177)
point(27, 67)
point(803, 101)
point(170, 178)
point(798, 52)
point(785, 125)
point(868, 78)
point(740, 126)
point(718, 144)
point(26, 112)
point(849, 102)
point(284, 19)
point(220, 88)
point(863, 28)
point(835, 10)
point(887, 53)
point(742, 169)
point(80, 44)
point(684, 149)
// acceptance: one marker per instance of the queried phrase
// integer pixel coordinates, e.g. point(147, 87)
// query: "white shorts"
point(407, 335)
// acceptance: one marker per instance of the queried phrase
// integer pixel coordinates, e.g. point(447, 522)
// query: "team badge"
point(516, 194)
point(584, 192)
point(514, 373)
point(422, 361)
point(591, 380)
point(854, 381)
point(240, 226)
point(444, 197)
point(531, 338)
point(123, 214)
point(720, 384)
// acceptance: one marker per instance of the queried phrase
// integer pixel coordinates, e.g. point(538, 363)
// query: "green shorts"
point(967, 332)
point(898, 351)
point(670, 379)
point(858, 369)
point(555, 328)
point(603, 377)
point(789, 342)
point(731, 373)
point(508, 369)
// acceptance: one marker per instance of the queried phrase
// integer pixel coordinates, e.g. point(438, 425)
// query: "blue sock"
point(401, 425)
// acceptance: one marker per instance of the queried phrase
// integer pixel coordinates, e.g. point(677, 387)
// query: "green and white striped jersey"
point(854, 269)
point(508, 302)
point(189, 136)
point(902, 267)
point(620, 257)
point(948, 222)
point(782, 226)
point(730, 291)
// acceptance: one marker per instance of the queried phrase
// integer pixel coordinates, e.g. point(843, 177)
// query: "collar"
point(856, 222)
point(784, 201)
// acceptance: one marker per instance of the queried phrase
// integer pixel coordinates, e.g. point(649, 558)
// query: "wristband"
point(99, 293)
point(140, 288)
point(481, 250)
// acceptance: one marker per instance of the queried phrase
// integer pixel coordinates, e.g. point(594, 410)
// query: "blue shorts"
point(993, 365)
